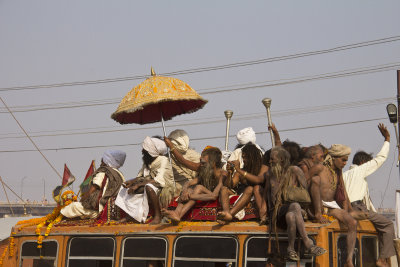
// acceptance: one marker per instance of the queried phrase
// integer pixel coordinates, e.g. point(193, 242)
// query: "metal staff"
point(228, 116)
point(267, 103)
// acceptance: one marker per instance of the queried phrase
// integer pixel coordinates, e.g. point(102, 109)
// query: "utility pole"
point(22, 184)
point(44, 189)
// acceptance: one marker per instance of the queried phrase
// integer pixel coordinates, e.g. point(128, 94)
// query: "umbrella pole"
point(169, 153)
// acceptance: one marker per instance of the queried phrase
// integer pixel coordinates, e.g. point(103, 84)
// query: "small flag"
point(84, 187)
point(68, 178)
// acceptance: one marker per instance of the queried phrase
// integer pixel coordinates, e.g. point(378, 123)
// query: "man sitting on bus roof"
point(287, 215)
point(245, 183)
point(313, 155)
point(205, 187)
point(244, 136)
point(106, 183)
point(329, 195)
point(355, 181)
point(179, 140)
point(153, 186)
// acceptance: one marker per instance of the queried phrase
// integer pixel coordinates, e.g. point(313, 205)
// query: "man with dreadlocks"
point(246, 182)
point(205, 187)
point(287, 215)
point(329, 194)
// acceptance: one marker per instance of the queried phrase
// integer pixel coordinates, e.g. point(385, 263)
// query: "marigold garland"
point(3, 256)
point(329, 218)
point(50, 220)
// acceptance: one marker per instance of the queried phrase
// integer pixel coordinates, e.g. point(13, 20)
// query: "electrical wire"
point(192, 139)
point(208, 120)
point(212, 68)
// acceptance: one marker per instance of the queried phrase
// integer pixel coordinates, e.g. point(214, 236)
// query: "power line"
point(212, 68)
point(114, 101)
point(208, 120)
point(192, 139)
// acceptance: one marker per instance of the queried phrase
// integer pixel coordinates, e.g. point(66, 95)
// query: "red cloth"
point(67, 176)
point(207, 210)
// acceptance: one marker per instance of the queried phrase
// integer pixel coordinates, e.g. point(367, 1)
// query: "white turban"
point(154, 146)
point(180, 139)
point(337, 150)
point(114, 158)
point(246, 135)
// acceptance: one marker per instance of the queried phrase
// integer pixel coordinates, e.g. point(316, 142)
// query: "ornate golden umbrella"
point(157, 99)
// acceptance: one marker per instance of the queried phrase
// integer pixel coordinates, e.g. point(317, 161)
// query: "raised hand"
point(384, 131)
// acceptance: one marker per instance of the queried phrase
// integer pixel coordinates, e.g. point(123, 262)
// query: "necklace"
point(334, 175)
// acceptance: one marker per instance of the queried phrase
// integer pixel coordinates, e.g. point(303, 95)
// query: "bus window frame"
point(68, 257)
point(139, 258)
point(340, 234)
point(174, 258)
point(361, 245)
point(281, 237)
point(38, 258)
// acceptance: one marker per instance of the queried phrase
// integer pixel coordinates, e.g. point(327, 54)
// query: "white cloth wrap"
point(114, 158)
point(180, 139)
point(331, 204)
point(136, 205)
point(154, 146)
point(246, 135)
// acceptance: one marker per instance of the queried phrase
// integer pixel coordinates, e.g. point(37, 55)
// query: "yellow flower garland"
point(3, 255)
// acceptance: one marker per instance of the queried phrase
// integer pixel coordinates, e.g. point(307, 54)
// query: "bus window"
point(205, 251)
point(256, 249)
point(342, 251)
point(91, 252)
point(36, 257)
point(144, 252)
point(369, 251)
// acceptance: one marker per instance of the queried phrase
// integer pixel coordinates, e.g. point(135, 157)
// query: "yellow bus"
point(192, 244)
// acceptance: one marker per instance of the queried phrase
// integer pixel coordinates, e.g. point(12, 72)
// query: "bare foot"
point(349, 263)
point(382, 263)
point(224, 217)
point(171, 215)
point(123, 220)
point(321, 219)
point(156, 220)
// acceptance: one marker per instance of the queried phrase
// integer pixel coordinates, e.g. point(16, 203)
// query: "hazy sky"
point(54, 42)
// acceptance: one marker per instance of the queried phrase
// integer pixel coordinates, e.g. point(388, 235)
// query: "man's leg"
point(260, 203)
point(316, 199)
point(385, 230)
point(224, 215)
point(344, 217)
point(155, 204)
point(202, 194)
point(295, 209)
point(243, 200)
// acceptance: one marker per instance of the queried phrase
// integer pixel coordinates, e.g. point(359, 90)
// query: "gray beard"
point(206, 176)
point(277, 170)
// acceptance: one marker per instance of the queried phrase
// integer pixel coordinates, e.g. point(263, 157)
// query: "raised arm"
point(194, 166)
point(277, 138)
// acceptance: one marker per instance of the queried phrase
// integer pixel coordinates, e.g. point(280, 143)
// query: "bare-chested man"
point(314, 155)
point(328, 193)
point(205, 187)
point(287, 215)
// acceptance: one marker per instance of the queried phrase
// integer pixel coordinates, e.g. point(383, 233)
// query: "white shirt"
point(355, 179)
point(160, 170)
point(98, 180)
